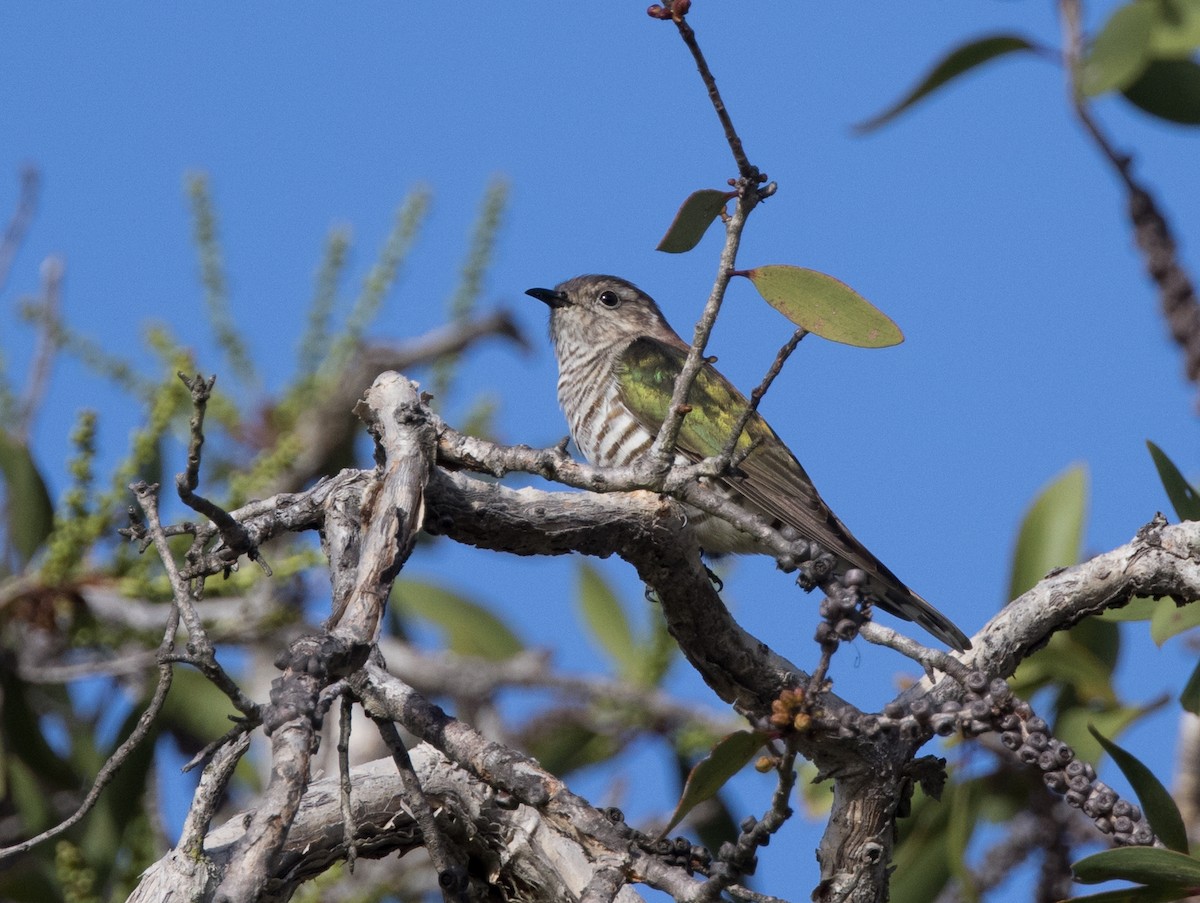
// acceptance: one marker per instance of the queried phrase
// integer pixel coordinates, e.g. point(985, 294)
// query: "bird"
point(618, 359)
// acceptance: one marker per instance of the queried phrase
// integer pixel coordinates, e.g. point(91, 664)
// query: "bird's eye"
point(610, 299)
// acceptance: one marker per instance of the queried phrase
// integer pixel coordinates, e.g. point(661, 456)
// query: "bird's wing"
point(769, 476)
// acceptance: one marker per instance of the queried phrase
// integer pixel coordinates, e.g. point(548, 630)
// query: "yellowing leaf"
point(824, 306)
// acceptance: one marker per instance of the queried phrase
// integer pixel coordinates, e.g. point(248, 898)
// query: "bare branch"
point(391, 511)
point(1176, 290)
point(47, 343)
point(18, 223)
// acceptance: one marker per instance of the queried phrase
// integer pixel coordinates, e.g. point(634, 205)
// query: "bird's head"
point(600, 311)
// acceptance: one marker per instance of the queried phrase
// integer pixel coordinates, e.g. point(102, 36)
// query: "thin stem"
point(745, 168)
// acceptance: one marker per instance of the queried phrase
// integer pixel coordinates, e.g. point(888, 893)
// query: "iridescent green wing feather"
point(771, 479)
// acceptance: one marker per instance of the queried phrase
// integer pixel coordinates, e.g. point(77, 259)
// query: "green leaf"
point(1121, 51)
point(713, 772)
point(692, 220)
point(964, 818)
point(469, 628)
point(28, 509)
point(1066, 663)
point(607, 621)
point(1176, 28)
point(563, 742)
point(1051, 535)
point(1074, 726)
point(824, 306)
point(816, 794)
point(923, 853)
point(1166, 893)
point(1140, 608)
point(959, 61)
point(714, 824)
point(195, 711)
point(1170, 90)
point(1171, 620)
point(1145, 865)
point(658, 652)
point(1160, 810)
point(1184, 498)
point(1190, 697)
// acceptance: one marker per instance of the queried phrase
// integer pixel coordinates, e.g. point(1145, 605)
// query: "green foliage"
point(395, 250)
point(470, 285)
point(314, 345)
point(1184, 498)
point(565, 740)
point(956, 63)
point(1160, 810)
point(216, 290)
point(1166, 874)
point(693, 218)
point(90, 353)
point(713, 772)
point(824, 306)
point(936, 833)
point(76, 526)
point(1145, 52)
point(605, 619)
point(1168, 89)
point(467, 626)
point(1189, 697)
point(28, 510)
point(1051, 534)
point(1121, 51)
point(640, 660)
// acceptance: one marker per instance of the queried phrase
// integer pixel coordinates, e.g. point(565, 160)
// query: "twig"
point(452, 877)
point(345, 714)
point(510, 771)
point(242, 728)
point(929, 659)
point(18, 223)
point(740, 857)
point(746, 170)
point(47, 345)
point(207, 798)
point(726, 457)
point(606, 883)
point(746, 187)
point(201, 652)
point(122, 752)
point(233, 534)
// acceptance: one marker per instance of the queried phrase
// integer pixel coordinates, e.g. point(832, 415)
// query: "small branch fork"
point(749, 190)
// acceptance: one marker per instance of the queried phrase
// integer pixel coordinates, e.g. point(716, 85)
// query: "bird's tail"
point(904, 603)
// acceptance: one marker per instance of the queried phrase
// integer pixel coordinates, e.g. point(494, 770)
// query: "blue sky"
point(983, 223)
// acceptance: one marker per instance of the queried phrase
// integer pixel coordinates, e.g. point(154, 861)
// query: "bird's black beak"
point(553, 298)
